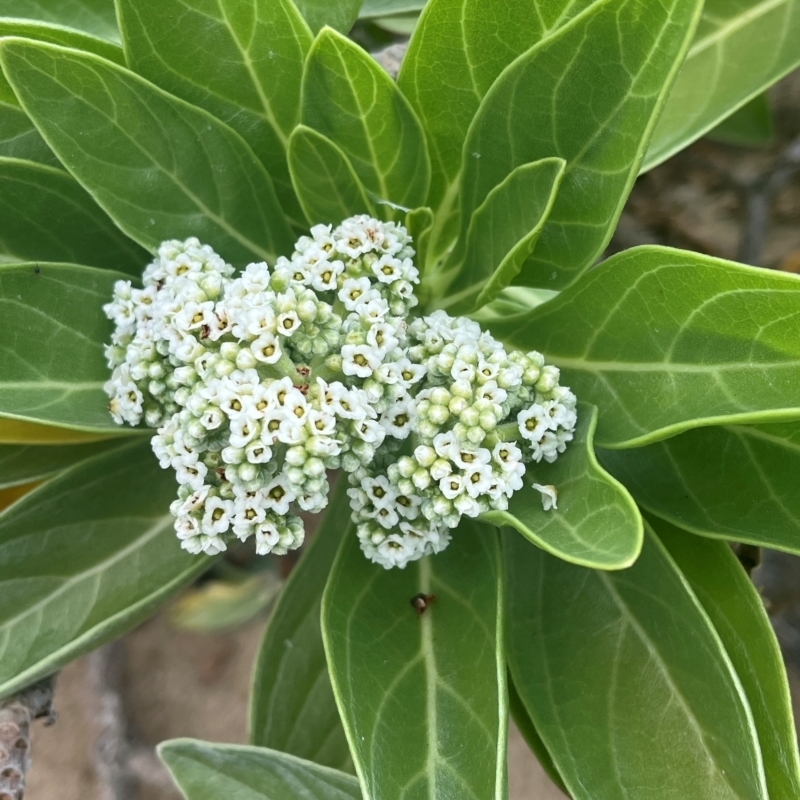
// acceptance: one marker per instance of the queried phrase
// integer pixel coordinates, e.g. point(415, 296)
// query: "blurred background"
point(735, 194)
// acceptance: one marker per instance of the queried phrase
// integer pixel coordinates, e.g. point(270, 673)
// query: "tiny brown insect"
point(420, 602)
point(205, 332)
point(36, 270)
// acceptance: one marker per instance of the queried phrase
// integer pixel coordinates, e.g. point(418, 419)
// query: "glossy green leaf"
point(324, 179)
point(18, 431)
point(97, 17)
point(627, 680)
point(381, 8)
point(665, 340)
point(737, 612)
point(52, 331)
point(55, 34)
point(242, 60)
point(751, 125)
point(206, 771)
point(353, 101)
point(728, 482)
point(501, 235)
point(19, 138)
point(20, 463)
point(85, 557)
point(590, 94)
point(596, 523)
point(135, 149)
point(419, 223)
point(458, 49)
point(338, 14)
point(46, 216)
point(422, 696)
point(741, 48)
point(531, 736)
point(292, 708)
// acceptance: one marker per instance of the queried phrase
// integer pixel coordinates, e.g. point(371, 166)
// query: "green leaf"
point(135, 149)
point(727, 482)
point(664, 340)
point(84, 558)
point(45, 215)
point(52, 330)
point(54, 34)
point(741, 48)
point(419, 223)
point(338, 14)
point(97, 17)
point(326, 184)
point(20, 464)
point(501, 235)
point(213, 771)
point(458, 49)
point(19, 138)
point(589, 94)
point(17, 431)
point(382, 8)
point(750, 125)
point(422, 697)
point(596, 523)
point(353, 101)
point(737, 612)
point(626, 680)
point(292, 707)
point(528, 730)
point(242, 60)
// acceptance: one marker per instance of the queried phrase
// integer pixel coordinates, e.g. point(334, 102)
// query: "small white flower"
point(549, 495)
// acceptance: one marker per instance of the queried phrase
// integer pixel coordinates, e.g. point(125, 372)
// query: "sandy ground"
point(181, 684)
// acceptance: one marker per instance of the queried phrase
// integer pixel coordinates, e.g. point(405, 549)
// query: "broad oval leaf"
point(45, 215)
point(501, 235)
point(741, 48)
point(458, 49)
point(596, 523)
point(737, 612)
point(55, 34)
point(326, 183)
point(381, 8)
point(590, 94)
point(97, 17)
point(627, 681)
point(19, 138)
point(137, 150)
point(422, 696)
point(751, 125)
point(21, 464)
point(339, 14)
point(664, 340)
point(52, 331)
point(353, 101)
point(18, 431)
point(83, 558)
point(531, 736)
point(242, 60)
point(728, 482)
point(292, 708)
point(206, 771)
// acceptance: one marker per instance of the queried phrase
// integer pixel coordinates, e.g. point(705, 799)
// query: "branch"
point(16, 715)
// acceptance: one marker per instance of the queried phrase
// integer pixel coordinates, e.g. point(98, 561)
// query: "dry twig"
point(16, 715)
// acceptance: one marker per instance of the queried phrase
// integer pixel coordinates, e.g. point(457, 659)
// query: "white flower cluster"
point(473, 403)
point(259, 384)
